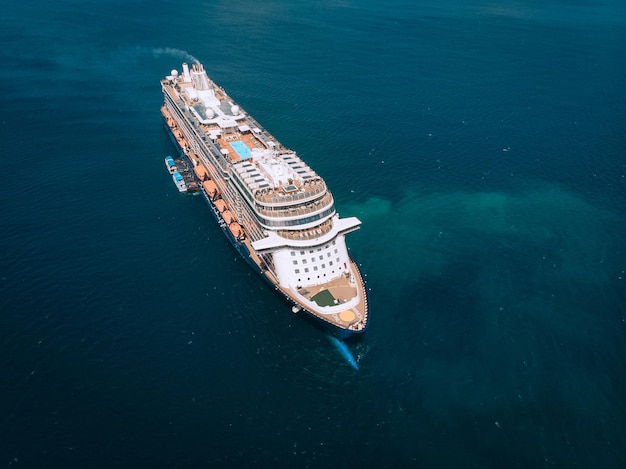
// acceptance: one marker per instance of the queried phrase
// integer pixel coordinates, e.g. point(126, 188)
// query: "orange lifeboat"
point(220, 204)
point(210, 188)
point(236, 230)
point(228, 216)
point(200, 171)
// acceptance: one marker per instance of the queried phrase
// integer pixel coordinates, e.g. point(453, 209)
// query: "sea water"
point(481, 144)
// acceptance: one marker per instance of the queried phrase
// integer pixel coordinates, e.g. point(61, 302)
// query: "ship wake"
point(344, 351)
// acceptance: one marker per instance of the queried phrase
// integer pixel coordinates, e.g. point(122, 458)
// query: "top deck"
point(272, 174)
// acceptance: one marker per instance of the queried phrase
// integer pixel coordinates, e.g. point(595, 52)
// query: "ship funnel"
point(186, 76)
point(199, 77)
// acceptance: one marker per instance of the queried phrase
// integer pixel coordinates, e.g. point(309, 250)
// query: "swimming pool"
point(241, 148)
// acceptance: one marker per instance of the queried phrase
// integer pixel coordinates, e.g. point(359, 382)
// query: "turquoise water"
point(480, 143)
point(241, 148)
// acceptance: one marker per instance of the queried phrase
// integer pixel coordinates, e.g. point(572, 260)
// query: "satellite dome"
point(209, 113)
point(234, 110)
point(174, 73)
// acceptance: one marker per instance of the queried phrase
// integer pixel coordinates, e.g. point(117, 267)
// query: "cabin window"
point(297, 271)
point(295, 262)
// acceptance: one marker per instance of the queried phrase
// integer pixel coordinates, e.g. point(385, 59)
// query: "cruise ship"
point(275, 210)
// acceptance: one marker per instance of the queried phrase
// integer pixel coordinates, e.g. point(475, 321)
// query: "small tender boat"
point(179, 181)
point(170, 164)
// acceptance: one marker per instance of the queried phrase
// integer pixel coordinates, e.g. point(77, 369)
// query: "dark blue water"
point(481, 143)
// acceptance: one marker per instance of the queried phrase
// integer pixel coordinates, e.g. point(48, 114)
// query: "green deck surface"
point(324, 298)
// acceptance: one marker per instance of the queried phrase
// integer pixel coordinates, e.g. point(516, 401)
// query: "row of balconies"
point(299, 210)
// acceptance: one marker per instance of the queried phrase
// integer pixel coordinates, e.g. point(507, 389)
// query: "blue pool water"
point(241, 148)
point(480, 142)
